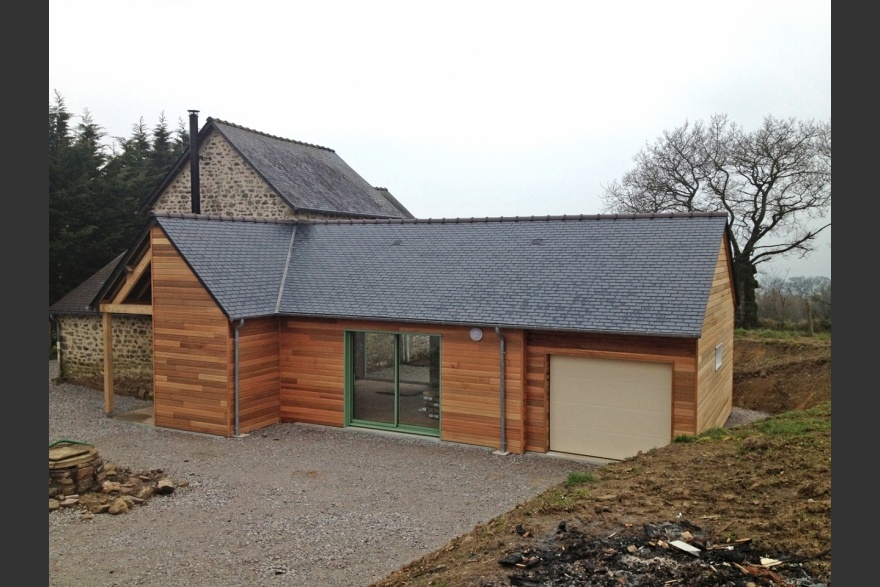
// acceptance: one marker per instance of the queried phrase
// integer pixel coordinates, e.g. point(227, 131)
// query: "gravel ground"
point(291, 504)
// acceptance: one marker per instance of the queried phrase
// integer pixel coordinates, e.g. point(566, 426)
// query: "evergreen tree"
point(95, 191)
point(75, 212)
point(164, 153)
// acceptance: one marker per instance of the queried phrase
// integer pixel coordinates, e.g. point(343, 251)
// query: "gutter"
point(237, 369)
point(502, 352)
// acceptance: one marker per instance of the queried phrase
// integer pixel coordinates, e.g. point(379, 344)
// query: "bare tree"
point(774, 183)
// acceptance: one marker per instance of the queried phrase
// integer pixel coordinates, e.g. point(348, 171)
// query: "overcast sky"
point(460, 108)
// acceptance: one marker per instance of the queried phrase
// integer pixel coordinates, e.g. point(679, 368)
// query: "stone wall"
point(227, 184)
point(82, 353)
point(228, 187)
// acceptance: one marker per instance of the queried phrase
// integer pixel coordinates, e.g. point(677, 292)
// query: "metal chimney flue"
point(194, 161)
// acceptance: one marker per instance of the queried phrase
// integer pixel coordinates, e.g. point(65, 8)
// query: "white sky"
point(460, 108)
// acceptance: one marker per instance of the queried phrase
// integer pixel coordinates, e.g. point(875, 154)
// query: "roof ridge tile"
point(487, 219)
point(222, 217)
point(265, 134)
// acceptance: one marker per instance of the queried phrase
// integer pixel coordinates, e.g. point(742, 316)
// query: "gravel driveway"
point(291, 504)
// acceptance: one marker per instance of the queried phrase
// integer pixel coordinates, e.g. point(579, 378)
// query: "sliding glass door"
point(393, 381)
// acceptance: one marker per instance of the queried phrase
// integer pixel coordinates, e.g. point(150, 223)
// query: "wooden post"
point(108, 363)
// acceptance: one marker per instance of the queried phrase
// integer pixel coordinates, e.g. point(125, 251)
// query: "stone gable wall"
point(228, 187)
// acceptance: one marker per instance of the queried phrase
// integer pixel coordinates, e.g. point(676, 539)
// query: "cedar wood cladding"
point(194, 363)
point(191, 348)
point(312, 378)
point(259, 402)
point(716, 397)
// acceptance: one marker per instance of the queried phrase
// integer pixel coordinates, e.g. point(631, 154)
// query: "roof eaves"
point(537, 328)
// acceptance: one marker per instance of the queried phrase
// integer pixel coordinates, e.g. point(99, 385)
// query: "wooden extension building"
point(599, 336)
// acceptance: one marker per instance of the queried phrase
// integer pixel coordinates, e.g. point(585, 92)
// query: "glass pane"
point(373, 390)
point(419, 373)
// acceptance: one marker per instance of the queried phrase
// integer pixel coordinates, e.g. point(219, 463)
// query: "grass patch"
point(797, 422)
point(563, 498)
point(779, 334)
point(716, 433)
point(711, 434)
point(579, 478)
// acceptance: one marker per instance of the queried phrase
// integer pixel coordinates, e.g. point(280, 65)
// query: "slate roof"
point(307, 177)
point(78, 300)
point(240, 263)
point(635, 274)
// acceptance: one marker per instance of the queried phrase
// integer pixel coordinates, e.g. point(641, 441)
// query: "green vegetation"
point(716, 434)
point(579, 478)
point(797, 422)
point(780, 334)
point(96, 185)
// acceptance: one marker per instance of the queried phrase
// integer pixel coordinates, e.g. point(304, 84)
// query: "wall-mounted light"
point(476, 334)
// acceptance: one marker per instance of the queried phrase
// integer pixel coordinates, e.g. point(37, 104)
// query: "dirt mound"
point(754, 502)
point(776, 376)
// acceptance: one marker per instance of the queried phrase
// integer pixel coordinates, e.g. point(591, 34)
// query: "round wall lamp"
point(476, 334)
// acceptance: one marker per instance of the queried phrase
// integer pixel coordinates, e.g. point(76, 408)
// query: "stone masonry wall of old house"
point(82, 352)
point(228, 186)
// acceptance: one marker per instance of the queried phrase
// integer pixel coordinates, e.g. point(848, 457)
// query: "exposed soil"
point(753, 501)
point(139, 386)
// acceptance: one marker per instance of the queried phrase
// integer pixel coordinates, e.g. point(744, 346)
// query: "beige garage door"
point(608, 408)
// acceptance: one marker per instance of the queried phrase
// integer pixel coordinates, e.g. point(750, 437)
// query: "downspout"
point(503, 449)
point(237, 328)
point(58, 344)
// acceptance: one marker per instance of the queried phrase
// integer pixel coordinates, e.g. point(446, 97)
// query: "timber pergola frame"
point(130, 285)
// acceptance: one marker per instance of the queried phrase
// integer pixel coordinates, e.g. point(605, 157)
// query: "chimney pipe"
point(194, 161)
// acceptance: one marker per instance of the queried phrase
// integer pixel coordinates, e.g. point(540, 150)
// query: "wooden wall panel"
point(471, 398)
point(259, 381)
point(191, 348)
point(715, 400)
point(679, 352)
point(311, 365)
point(313, 378)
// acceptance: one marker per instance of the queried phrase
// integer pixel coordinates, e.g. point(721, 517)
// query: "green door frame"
point(349, 386)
